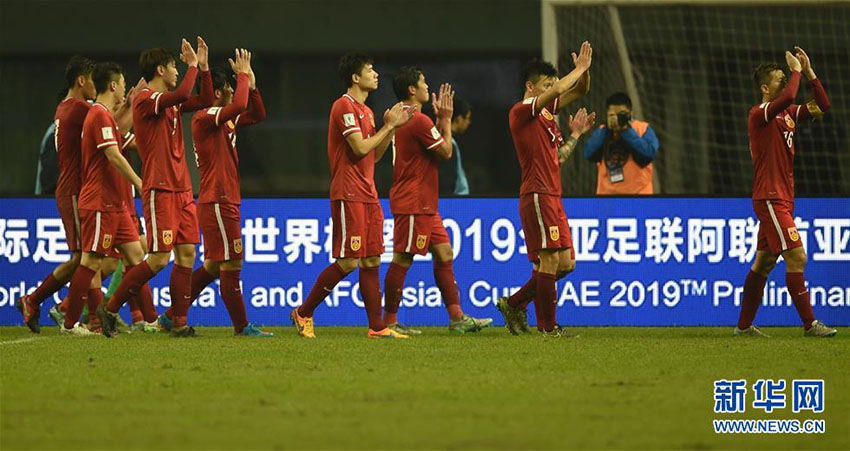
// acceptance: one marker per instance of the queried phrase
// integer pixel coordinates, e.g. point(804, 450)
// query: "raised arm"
point(181, 94)
point(577, 91)
point(394, 118)
point(817, 107)
point(567, 82)
point(443, 109)
point(256, 112)
point(579, 125)
point(786, 98)
point(240, 67)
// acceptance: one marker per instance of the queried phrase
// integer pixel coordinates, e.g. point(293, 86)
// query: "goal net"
point(688, 69)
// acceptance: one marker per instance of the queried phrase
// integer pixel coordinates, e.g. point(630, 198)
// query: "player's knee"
point(230, 265)
point(402, 259)
point(157, 261)
point(796, 258)
point(185, 256)
point(108, 266)
point(92, 261)
point(76, 258)
point(371, 262)
point(347, 264)
point(565, 269)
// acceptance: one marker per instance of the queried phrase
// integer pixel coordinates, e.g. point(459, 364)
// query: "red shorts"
point(221, 225)
point(101, 231)
point(170, 218)
point(358, 229)
point(777, 231)
point(70, 216)
point(415, 234)
point(544, 223)
point(113, 251)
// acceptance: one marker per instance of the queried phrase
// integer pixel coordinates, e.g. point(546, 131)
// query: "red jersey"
point(214, 140)
point(352, 177)
point(158, 125)
point(537, 138)
point(771, 127)
point(69, 118)
point(104, 188)
point(415, 174)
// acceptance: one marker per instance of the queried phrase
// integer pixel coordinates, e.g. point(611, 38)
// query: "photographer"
point(623, 150)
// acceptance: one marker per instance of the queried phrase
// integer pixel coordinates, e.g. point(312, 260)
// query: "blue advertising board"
point(640, 262)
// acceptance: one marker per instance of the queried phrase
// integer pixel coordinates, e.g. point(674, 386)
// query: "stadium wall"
point(640, 261)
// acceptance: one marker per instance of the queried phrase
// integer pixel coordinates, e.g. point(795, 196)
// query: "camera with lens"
point(623, 118)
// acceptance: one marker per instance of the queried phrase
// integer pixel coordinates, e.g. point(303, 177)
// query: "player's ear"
point(81, 81)
point(529, 86)
point(218, 94)
point(355, 78)
point(160, 70)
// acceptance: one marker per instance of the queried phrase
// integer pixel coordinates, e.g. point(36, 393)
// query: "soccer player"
point(104, 219)
point(771, 126)
point(68, 121)
point(167, 200)
point(354, 145)
point(417, 149)
point(540, 149)
point(214, 136)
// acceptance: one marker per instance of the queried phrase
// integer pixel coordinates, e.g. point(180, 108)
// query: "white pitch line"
point(20, 340)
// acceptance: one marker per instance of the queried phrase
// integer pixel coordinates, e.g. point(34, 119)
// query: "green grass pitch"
point(624, 388)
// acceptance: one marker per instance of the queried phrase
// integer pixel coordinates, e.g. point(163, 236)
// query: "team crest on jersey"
point(788, 121)
point(554, 233)
point(107, 241)
point(793, 234)
point(545, 112)
point(348, 119)
point(355, 243)
point(167, 237)
point(420, 241)
point(237, 245)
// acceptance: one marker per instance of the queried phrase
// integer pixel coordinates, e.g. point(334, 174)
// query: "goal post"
point(687, 66)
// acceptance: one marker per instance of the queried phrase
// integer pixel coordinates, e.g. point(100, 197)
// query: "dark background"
point(478, 46)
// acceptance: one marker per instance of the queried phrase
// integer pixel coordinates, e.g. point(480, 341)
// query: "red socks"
point(538, 312)
point(445, 277)
point(370, 292)
point(524, 295)
point(200, 280)
point(796, 284)
point(393, 285)
point(48, 286)
point(753, 291)
point(547, 298)
point(131, 284)
point(321, 289)
point(180, 287)
point(78, 294)
point(231, 293)
point(135, 310)
point(145, 299)
point(95, 299)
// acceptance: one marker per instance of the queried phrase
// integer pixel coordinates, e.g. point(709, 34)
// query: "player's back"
point(352, 177)
point(103, 188)
point(215, 153)
point(159, 138)
point(772, 149)
point(415, 188)
point(536, 137)
point(69, 118)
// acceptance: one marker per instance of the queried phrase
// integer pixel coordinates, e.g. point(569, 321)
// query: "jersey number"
point(789, 138)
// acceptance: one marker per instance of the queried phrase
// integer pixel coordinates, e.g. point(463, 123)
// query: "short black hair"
point(761, 74)
point(105, 73)
point(352, 63)
point(462, 108)
point(618, 98)
point(534, 69)
point(150, 59)
point(220, 78)
point(405, 77)
point(77, 65)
